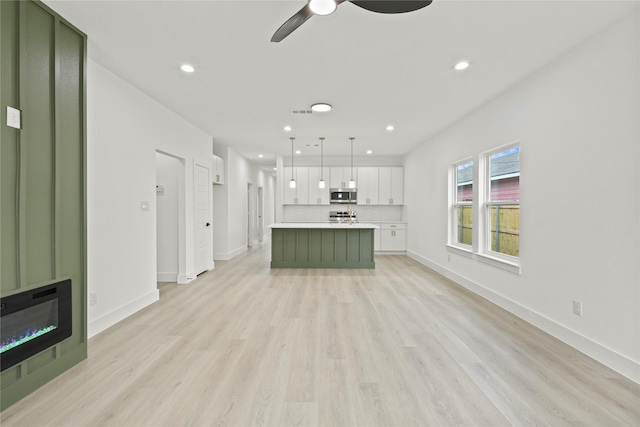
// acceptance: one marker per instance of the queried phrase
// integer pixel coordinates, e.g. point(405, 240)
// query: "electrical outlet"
point(13, 117)
point(93, 298)
point(577, 308)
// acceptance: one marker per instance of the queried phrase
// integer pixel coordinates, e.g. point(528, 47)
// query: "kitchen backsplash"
point(310, 213)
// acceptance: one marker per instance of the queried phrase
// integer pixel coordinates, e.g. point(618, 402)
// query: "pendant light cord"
point(352, 138)
point(321, 158)
point(292, 138)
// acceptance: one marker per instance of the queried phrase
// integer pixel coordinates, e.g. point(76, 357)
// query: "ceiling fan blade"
point(392, 6)
point(292, 23)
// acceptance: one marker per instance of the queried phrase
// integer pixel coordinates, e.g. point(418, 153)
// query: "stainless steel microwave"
point(343, 195)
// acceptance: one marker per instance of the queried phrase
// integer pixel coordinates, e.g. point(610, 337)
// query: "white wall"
point(125, 128)
point(230, 203)
point(577, 122)
point(168, 170)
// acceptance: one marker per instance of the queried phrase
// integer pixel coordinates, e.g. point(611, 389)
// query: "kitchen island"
point(322, 245)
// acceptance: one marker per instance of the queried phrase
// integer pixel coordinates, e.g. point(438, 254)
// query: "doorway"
point(202, 219)
point(169, 193)
point(250, 216)
point(260, 209)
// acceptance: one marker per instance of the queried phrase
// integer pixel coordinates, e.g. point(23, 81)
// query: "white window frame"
point(454, 204)
point(484, 252)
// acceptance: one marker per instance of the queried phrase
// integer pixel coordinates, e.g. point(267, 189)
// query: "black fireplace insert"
point(33, 321)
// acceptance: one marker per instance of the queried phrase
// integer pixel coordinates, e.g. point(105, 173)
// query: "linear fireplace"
point(34, 320)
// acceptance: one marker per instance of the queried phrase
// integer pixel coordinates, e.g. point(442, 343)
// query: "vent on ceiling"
point(301, 112)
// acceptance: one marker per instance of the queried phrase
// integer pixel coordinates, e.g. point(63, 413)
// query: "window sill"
point(460, 250)
point(504, 264)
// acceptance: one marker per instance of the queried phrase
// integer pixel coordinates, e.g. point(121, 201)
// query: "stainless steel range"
point(342, 216)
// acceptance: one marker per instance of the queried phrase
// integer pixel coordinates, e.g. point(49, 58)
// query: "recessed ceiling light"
point(187, 68)
point(390, 128)
point(260, 155)
point(321, 107)
point(369, 152)
point(462, 65)
point(322, 7)
point(287, 128)
point(297, 151)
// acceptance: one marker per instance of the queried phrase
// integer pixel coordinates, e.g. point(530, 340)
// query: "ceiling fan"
point(326, 7)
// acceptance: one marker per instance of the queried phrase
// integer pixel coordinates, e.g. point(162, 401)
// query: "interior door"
point(202, 218)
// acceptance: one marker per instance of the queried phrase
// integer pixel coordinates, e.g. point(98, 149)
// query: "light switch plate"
point(13, 117)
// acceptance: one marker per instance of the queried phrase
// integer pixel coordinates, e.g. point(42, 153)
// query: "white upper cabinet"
point(318, 196)
point(340, 177)
point(300, 194)
point(218, 170)
point(367, 186)
point(375, 185)
point(391, 185)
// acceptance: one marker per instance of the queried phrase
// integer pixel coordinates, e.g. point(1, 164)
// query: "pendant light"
point(352, 182)
point(321, 183)
point(292, 183)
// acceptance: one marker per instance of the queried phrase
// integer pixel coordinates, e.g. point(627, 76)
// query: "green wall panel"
point(9, 148)
point(322, 248)
point(36, 102)
point(43, 170)
point(69, 207)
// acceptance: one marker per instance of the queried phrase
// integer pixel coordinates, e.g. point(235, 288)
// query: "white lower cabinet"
point(393, 237)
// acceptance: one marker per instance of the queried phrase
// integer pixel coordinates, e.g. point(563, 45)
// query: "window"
point(462, 208)
point(502, 202)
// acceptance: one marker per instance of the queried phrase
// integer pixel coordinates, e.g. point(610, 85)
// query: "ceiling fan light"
point(322, 7)
point(321, 107)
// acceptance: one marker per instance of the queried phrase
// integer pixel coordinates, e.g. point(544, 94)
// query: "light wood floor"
point(245, 345)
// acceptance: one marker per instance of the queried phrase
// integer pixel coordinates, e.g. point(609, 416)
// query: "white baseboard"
point(230, 255)
point(618, 362)
point(98, 325)
point(167, 277)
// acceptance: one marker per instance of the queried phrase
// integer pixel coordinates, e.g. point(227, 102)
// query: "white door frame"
point(182, 240)
point(260, 209)
point(203, 258)
point(249, 215)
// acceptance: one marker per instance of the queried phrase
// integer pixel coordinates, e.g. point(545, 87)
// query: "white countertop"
point(323, 225)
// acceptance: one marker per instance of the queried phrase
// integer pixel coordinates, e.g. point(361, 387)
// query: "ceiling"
point(375, 69)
